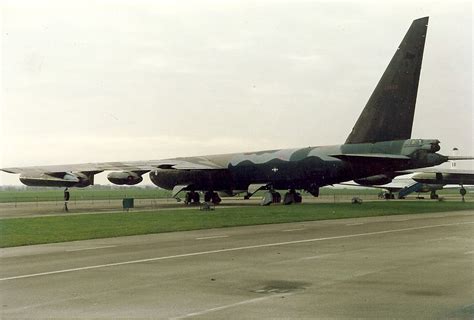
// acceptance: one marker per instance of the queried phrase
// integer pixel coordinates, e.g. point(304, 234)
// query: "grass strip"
point(37, 230)
point(32, 195)
point(101, 193)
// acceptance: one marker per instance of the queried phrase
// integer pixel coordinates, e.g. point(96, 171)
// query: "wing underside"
point(177, 164)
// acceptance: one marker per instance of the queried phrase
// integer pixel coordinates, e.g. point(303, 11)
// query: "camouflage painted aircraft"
point(378, 146)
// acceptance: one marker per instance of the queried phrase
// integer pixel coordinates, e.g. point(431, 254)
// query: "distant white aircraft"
point(428, 180)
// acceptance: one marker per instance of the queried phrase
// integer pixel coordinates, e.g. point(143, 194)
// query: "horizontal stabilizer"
point(436, 170)
point(455, 158)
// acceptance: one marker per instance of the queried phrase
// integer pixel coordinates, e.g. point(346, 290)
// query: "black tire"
point(215, 198)
point(289, 198)
point(195, 197)
point(298, 198)
point(188, 198)
point(276, 197)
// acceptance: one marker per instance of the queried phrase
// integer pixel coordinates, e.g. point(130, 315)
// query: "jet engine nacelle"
point(125, 177)
point(376, 180)
point(57, 179)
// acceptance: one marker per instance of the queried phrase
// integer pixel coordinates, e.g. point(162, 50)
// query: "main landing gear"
point(434, 195)
point(213, 197)
point(387, 195)
point(193, 197)
point(292, 197)
point(272, 196)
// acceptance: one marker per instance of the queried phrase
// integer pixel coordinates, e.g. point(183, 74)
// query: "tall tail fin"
point(388, 115)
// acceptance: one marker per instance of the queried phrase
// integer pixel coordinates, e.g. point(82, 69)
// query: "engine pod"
point(124, 178)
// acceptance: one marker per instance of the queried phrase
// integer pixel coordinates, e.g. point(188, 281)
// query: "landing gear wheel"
point(267, 199)
point(276, 197)
point(292, 197)
point(195, 197)
point(289, 198)
point(191, 197)
point(298, 198)
point(389, 195)
point(215, 199)
point(434, 196)
point(270, 197)
point(187, 198)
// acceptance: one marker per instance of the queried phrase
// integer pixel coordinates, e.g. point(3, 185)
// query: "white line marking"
point(318, 256)
point(200, 313)
point(469, 252)
point(290, 230)
point(212, 237)
point(92, 248)
point(400, 220)
point(192, 254)
point(355, 224)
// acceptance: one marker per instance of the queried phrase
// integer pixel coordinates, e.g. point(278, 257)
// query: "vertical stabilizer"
point(388, 115)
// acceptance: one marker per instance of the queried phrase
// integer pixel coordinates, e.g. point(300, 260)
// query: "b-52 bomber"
point(379, 145)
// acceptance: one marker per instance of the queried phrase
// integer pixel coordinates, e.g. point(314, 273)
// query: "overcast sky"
point(90, 81)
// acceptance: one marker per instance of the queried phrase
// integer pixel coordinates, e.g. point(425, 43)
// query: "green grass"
point(49, 194)
point(27, 231)
point(107, 193)
point(104, 193)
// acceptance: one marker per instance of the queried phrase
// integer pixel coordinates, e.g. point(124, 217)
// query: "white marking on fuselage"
point(200, 253)
point(212, 237)
point(91, 248)
point(290, 230)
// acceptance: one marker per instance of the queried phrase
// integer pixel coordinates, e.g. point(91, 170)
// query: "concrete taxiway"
point(413, 266)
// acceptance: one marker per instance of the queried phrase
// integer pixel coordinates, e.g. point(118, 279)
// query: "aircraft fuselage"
point(303, 168)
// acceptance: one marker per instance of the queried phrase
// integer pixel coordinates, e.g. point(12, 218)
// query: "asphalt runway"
point(410, 267)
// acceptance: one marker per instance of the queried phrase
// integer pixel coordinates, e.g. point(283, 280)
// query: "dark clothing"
point(66, 199)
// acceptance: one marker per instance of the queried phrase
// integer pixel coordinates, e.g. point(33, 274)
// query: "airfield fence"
point(154, 198)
